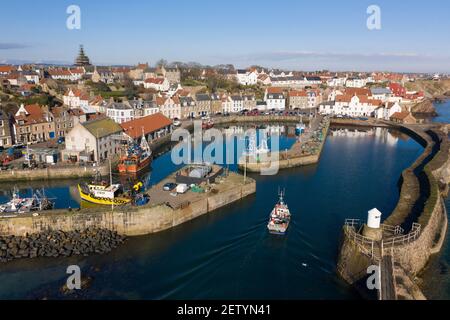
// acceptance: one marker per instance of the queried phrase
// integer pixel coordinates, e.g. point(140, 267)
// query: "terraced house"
point(170, 107)
point(6, 132)
point(34, 123)
point(203, 101)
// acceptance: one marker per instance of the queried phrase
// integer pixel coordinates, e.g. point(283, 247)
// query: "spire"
point(82, 60)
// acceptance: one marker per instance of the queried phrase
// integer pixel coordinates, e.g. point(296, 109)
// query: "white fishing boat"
point(18, 205)
point(280, 217)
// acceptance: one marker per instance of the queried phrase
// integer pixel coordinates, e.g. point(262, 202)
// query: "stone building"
point(6, 136)
point(33, 123)
point(94, 140)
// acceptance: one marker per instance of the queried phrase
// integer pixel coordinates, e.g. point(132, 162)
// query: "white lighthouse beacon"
point(373, 228)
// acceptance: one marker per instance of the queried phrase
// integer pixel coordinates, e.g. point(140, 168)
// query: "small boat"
point(207, 124)
point(300, 128)
point(136, 159)
point(37, 202)
point(101, 192)
point(280, 217)
point(263, 147)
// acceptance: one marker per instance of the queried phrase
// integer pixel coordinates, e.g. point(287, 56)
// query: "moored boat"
point(18, 205)
point(280, 217)
point(136, 159)
point(101, 192)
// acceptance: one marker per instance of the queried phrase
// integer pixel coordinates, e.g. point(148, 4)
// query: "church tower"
point(82, 60)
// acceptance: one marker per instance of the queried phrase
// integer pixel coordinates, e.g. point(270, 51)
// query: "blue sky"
point(295, 34)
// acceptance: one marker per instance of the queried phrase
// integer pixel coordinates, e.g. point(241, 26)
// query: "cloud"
point(11, 46)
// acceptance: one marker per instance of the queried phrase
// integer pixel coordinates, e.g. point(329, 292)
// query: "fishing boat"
point(37, 202)
point(101, 192)
point(280, 217)
point(137, 157)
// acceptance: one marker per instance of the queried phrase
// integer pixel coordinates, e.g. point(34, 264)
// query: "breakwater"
point(54, 172)
point(412, 233)
point(304, 152)
point(128, 220)
point(59, 244)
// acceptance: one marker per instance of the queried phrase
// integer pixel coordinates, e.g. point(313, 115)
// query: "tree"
point(161, 63)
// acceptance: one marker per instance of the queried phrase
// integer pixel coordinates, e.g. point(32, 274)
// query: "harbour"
point(238, 234)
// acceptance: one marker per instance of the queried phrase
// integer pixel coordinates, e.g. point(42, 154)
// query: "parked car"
point(169, 186)
point(177, 123)
point(61, 140)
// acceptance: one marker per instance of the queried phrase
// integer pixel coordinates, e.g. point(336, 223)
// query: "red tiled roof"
point(148, 124)
point(274, 90)
point(155, 80)
point(297, 93)
point(7, 69)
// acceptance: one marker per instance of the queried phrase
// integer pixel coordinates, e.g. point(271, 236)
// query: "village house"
point(63, 74)
point(352, 106)
point(264, 79)
point(404, 117)
point(120, 112)
point(152, 127)
point(246, 78)
point(5, 70)
point(275, 99)
point(137, 73)
point(188, 107)
point(387, 110)
point(170, 107)
point(355, 82)
point(143, 108)
point(203, 101)
point(6, 130)
point(93, 141)
point(65, 119)
point(173, 75)
point(249, 102)
point(337, 82)
point(75, 98)
point(33, 123)
point(227, 104)
point(216, 104)
point(158, 84)
point(103, 75)
point(383, 94)
point(297, 99)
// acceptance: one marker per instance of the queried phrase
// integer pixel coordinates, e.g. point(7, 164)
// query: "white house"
point(120, 112)
point(382, 94)
point(352, 106)
point(355, 83)
point(170, 107)
point(76, 98)
point(387, 110)
point(275, 99)
point(158, 84)
point(246, 78)
point(336, 82)
point(92, 141)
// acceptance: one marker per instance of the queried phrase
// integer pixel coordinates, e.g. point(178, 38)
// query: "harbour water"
point(229, 253)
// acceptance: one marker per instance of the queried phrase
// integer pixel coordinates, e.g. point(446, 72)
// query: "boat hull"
point(134, 168)
point(102, 201)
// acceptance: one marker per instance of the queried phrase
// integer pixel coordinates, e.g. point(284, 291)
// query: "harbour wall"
point(291, 158)
point(127, 221)
point(423, 187)
point(50, 173)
